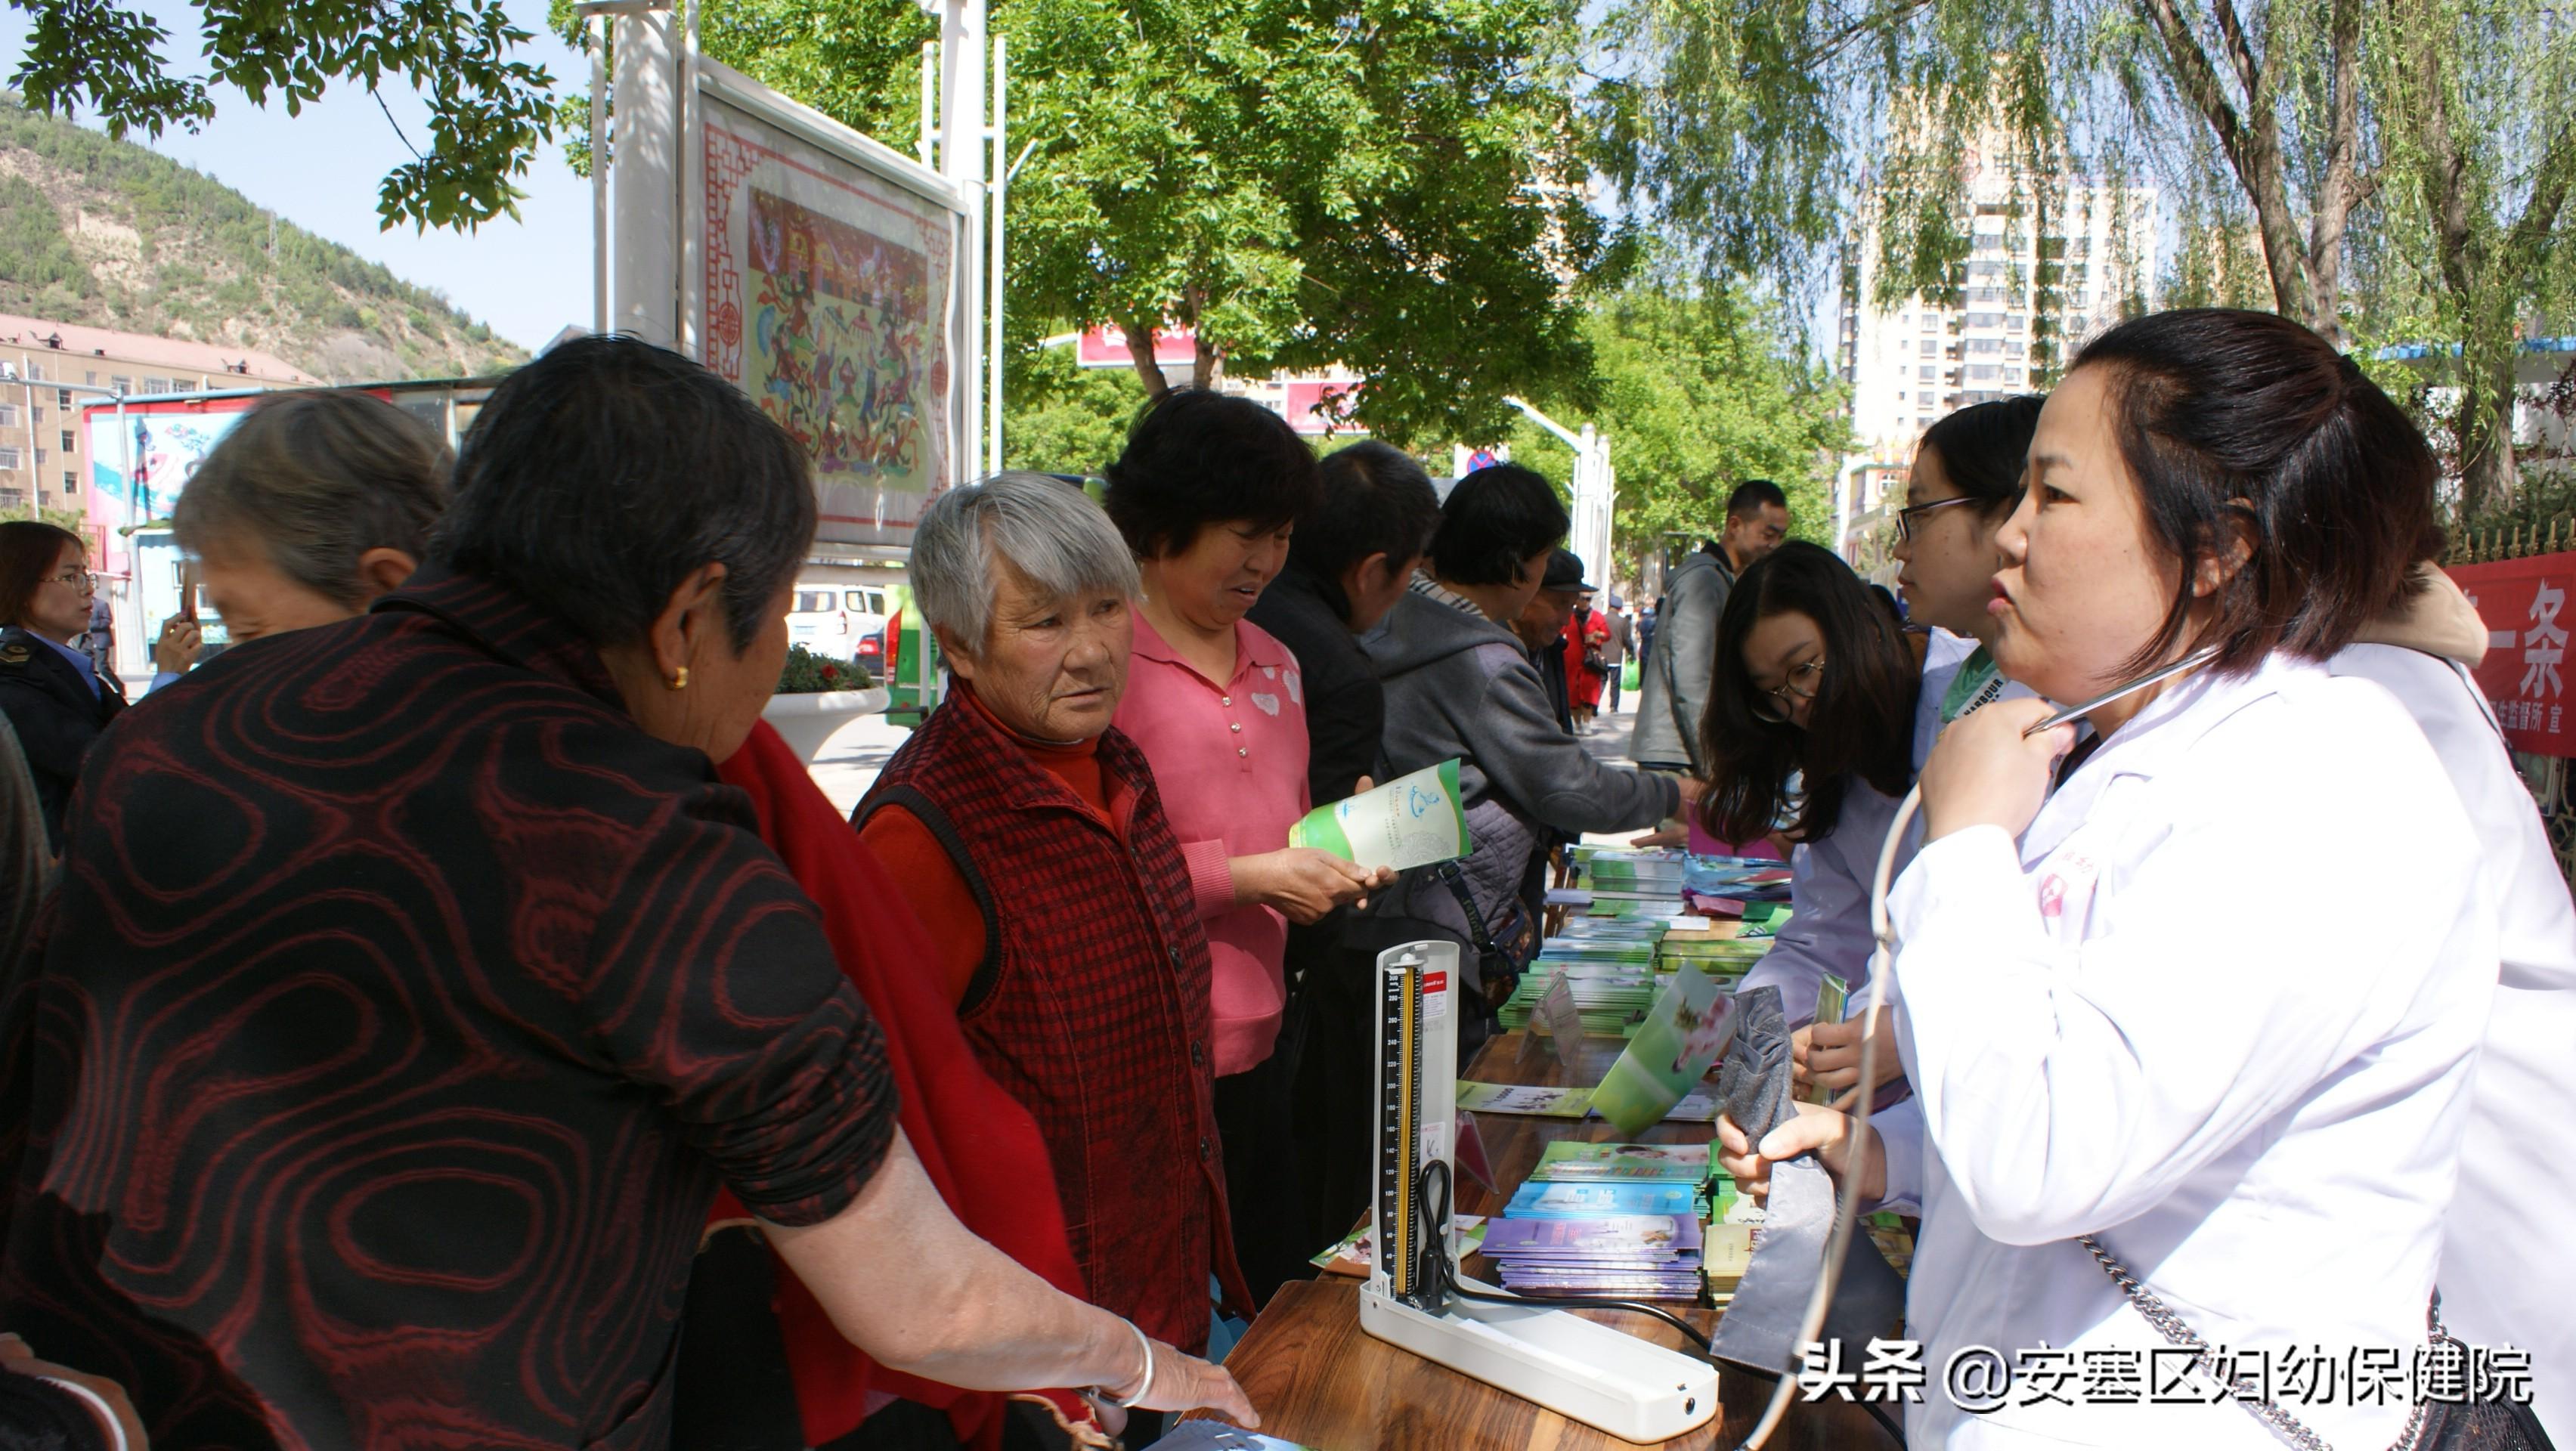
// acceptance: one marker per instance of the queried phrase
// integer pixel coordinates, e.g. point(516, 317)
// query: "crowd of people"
point(450, 1014)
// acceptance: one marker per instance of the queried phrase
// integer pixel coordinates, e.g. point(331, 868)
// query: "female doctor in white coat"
point(2214, 1001)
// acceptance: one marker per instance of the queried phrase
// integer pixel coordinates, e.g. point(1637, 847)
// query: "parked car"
point(838, 619)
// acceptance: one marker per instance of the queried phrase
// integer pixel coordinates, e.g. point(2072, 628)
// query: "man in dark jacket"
point(1348, 563)
point(1672, 685)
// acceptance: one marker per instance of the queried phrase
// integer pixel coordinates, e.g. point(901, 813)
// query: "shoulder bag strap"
point(2243, 1389)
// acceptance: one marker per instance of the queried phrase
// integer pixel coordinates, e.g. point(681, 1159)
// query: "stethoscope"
point(1882, 966)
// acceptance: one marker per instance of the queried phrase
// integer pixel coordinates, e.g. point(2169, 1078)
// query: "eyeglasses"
point(1804, 681)
point(79, 579)
point(1905, 517)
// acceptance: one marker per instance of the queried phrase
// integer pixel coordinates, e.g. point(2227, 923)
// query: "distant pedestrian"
point(1622, 645)
point(1587, 665)
point(53, 692)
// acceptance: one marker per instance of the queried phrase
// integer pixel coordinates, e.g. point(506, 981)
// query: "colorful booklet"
point(1669, 1055)
point(1411, 821)
point(1833, 1004)
point(1536, 1200)
point(1633, 1237)
point(1565, 1163)
point(1523, 1099)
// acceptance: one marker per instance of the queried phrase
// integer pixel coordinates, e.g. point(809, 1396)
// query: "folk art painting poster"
point(826, 290)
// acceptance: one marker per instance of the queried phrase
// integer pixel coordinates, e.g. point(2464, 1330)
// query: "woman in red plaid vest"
point(1027, 834)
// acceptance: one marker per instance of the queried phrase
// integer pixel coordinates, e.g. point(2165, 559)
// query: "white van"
point(843, 621)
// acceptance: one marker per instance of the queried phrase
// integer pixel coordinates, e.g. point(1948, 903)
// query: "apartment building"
point(2043, 273)
point(44, 449)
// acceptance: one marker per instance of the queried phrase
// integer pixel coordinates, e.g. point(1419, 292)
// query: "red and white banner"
point(1106, 347)
point(2529, 605)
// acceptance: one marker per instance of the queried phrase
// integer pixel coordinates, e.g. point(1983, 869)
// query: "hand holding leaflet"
point(1412, 821)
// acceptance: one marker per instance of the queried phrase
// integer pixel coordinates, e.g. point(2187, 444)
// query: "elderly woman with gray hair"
point(1026, 832)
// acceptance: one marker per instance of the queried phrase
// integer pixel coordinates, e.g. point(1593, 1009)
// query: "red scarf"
point(978, 1145)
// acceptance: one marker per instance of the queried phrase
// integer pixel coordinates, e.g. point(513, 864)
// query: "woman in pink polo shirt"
point(1206, 493)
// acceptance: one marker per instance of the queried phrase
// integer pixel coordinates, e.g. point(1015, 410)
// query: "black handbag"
point(1500, 955)
point(2496, 1423)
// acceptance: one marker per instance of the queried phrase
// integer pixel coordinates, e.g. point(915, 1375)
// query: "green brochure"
point(1411, 821)
point(1670, 1053)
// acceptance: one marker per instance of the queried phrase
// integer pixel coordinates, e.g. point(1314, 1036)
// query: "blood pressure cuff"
point(1760, 1328)
point(1754, 1082)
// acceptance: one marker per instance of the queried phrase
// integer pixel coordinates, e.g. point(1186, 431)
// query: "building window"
point(68, 444)
point(2017, 322)
point(11, 460)
point(63, 398)
point(1926, 373)
point(71, 482)
point(90, 378)
point(12, 499)
point(156, 385)
point(1985, 345)
point(40, 459)
point(1931, 346)
point(2015, 350)
point(8, 415)
point(1983, 372)
point(120, 384)
point(35, 372)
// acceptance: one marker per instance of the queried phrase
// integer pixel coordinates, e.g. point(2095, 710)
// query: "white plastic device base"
point(1633, 1389)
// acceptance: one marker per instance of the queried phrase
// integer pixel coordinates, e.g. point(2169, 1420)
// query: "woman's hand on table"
point(1818, 1130)
point(1985, 772)
point(1304, 884)
point(1827, 1056)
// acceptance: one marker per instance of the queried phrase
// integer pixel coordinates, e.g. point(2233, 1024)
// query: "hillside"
point(109, 234)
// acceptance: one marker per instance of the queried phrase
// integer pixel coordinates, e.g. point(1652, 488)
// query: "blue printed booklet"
point(1538, 1199)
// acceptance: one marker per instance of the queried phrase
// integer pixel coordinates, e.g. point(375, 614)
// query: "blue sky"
point(528, 279)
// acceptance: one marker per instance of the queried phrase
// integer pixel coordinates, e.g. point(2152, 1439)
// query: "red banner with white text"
point(2529, 605)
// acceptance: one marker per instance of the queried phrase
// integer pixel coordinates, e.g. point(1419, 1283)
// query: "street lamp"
point(1594, 487)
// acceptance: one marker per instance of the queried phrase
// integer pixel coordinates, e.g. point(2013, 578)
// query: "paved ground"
point(849, 762)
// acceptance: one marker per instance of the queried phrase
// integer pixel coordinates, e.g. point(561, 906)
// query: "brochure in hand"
point(1669, 1055)
point(1411, 821)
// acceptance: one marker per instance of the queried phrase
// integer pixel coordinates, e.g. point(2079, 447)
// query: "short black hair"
point(2228, 416)
point(1983, 448)
point(1495, 518)
point(1375, 499)
point(1198, 457)
point(602, 474)
point(1751, 495)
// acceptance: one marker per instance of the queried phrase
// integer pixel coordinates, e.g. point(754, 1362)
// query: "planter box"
point(806, 721)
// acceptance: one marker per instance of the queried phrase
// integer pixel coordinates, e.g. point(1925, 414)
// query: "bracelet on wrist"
point(1144, 1382)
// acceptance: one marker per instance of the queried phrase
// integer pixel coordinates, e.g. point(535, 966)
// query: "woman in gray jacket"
point(1459, 684)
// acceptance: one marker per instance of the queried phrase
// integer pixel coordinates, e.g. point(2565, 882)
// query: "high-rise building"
point(2043, 273)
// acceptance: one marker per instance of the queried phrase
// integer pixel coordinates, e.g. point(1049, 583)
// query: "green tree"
point(489, 112)
point(1698, 390)
point(1059, 417)
point(1389, 184)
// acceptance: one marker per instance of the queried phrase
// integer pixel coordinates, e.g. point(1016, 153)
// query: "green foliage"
point(1698, 393)
point(34, 253)
point(211, 261)
point(1388, 184)
point(807, 673)
point(1061, 418)
point(488, 112)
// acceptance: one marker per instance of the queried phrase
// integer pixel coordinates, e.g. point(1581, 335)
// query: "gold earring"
point(680, 678)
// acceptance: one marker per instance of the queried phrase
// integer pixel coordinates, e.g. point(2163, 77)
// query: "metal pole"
point(929, 101)
point(1001, 192)
point(598, 27)
point(961, 159)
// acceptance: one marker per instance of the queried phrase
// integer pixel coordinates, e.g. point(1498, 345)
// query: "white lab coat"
point(1829, 880)
point(2507, 1275)
point(2216, 1009)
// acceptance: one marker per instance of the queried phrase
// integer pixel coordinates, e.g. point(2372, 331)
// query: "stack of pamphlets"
point(1525, 1098)
point(1628, 1257)
point(1542, 1199)
point(1612, 999)
point(1725, 958)
point(1743, 879)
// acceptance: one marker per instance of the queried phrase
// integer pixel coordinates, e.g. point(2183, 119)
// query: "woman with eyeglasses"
point(1820, 706)
point(1965, 480)
point(56, 700)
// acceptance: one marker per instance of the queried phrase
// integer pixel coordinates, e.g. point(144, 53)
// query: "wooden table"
point(1320, 1380)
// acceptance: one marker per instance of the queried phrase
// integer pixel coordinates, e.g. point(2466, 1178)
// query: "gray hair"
point(316, 478)
point(1049, 529)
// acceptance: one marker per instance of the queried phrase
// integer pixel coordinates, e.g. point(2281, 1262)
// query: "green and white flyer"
point(1669, 1055)
point(1411, 821)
